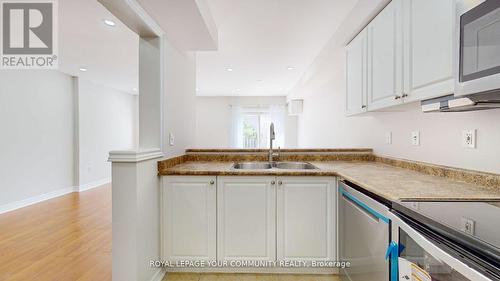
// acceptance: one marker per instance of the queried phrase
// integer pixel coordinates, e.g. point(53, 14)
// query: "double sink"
point(277, 165)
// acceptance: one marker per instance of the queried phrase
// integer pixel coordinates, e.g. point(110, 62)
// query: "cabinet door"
point(385, 57)
point(246, 218)
point(428, 31)
point(306, 218)
point(356, 80)
point(189, 218)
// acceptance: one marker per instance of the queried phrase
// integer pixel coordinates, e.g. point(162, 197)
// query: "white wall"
point(324, 124)
point(107, 121)
point(179, 103)
point(37, 136)
point(56, 132)
point(213, 120)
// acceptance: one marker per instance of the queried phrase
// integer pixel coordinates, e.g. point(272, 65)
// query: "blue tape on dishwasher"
point(393, 254)
point(364, 206)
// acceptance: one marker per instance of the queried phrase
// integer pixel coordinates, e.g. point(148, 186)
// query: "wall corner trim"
point(134, 156)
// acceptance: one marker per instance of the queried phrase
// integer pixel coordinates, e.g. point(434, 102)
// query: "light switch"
point(171, 139)
point(388, 138)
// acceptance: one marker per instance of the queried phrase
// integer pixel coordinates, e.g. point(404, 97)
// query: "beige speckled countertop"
point(390, 182)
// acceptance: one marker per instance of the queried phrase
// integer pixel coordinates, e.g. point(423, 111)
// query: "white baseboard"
point(93, 184)
point(35, 199)
point(50, 195)
point(160, 273)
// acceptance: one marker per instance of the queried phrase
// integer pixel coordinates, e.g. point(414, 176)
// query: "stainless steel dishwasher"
point(364, 235)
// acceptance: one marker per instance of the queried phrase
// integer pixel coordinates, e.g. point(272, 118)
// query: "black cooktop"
point(473, 225)
point(478, 220)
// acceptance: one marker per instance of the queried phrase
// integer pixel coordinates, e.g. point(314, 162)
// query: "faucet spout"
point(272, 137)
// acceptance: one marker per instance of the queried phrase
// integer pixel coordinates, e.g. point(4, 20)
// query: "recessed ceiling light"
point(229, 69)
point(134, 89)
point(109, 22)
point(197, 89)
point(290, 68)
point(83, 69)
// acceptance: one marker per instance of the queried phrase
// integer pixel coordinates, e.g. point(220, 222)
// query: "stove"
point(474, 227)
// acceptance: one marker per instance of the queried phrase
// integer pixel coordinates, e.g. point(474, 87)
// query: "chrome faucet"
point(272, 137)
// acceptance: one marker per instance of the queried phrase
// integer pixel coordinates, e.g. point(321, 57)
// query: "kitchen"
point(295, 140)
point(236, 197)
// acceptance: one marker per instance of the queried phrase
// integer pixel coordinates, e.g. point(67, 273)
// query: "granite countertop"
point(265, 150)
point(390, 182)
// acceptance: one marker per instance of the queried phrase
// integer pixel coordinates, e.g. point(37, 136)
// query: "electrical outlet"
point(467, 225)
point(415, 205)
point(388, 138)
point(469, 138)
point(415, 138)
point(171, 139)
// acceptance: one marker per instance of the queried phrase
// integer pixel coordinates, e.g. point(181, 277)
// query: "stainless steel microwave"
point(476, 59)
point(477, 47)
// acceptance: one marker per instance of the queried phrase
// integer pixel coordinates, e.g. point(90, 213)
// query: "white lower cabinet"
point(306, 218)
point(188, 218)
point(262, 218)
point(246, 212)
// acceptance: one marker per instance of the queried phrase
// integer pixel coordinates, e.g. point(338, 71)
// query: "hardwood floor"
point(64, 239)
point(247, 277)
point(69, 239)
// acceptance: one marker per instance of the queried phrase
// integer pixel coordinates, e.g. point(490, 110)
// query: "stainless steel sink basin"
point(252, 166)
point(295, 165)
point(278, 165)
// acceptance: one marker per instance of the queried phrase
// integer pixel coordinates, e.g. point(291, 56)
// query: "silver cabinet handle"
point(212, 182)
point(273, 182)
point(363, 106)
point(280, 182)
point(404, 95)
point(397, 97)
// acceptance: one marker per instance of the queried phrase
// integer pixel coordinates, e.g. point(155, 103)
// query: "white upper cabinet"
point(246, 226)
point(356, 79)
point(188, 218)
point(428, 36)
point(408, 58)
point(385, 57)
point(306, 215)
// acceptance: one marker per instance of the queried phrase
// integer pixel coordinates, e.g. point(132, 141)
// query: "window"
point(250, 126)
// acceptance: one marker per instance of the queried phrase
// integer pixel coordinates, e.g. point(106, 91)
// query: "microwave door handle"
point(435, 251)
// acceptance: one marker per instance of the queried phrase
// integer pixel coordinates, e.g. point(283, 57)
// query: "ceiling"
point(267, 44)
point(258, 39)
point(109, 53)
point(188, 24)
